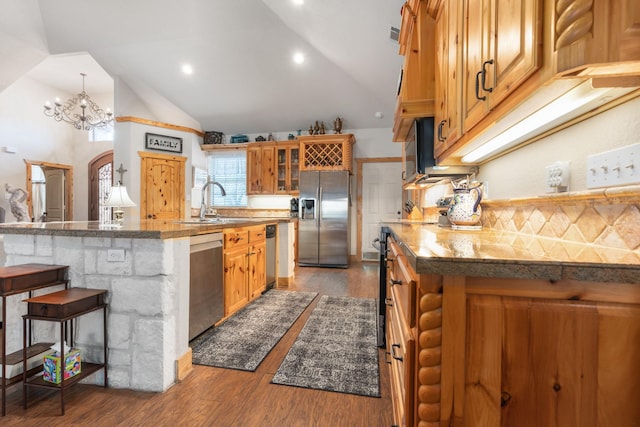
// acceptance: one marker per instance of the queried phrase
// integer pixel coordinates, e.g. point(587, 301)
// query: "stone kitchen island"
point(492, 328)
point(147, 284)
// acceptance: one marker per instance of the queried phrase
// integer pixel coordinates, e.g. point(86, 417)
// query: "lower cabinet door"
point(235, 280)
point(401, 349)
point(257, 269)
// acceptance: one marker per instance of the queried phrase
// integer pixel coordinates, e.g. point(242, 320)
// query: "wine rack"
point(326, 152)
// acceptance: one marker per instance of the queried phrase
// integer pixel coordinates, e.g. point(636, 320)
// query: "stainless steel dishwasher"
point(271, 255)
point(206, 299)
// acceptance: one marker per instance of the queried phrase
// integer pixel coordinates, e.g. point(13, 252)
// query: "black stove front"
point(382, 306)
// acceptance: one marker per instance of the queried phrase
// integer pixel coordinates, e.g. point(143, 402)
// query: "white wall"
point(37, 137)
point(522, 173)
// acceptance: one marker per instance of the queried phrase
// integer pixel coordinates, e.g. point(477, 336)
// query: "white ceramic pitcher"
point(465, 208)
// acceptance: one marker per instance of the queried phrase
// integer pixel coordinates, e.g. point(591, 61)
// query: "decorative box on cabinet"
point(326, 152)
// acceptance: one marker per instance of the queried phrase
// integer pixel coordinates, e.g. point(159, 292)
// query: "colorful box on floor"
point(53, 368)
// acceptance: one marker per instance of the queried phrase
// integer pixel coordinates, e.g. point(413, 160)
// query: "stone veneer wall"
point(145, 294)
point(606, 218)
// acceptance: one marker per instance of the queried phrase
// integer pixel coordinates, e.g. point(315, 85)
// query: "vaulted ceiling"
point(244, 79)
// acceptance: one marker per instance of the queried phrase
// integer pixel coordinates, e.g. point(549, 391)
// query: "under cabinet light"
point(576, 101)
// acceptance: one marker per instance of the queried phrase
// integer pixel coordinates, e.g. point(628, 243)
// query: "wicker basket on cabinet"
point(326, 152)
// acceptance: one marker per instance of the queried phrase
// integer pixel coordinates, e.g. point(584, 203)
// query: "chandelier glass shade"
point(80, 111)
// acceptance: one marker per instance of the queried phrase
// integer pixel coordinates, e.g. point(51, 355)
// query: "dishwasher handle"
point(203, 242)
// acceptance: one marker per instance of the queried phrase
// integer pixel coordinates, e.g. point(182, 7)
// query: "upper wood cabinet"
point(597, 38)
point(501, 45)
point(497, 62)
point(416, 95)
point(261, 168)
point(288, 168)
point(326, 152)
point(447, 40)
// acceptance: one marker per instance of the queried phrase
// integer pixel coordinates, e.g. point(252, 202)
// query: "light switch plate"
point(614, 168)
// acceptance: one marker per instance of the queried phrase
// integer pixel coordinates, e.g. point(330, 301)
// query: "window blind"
point(229, 168)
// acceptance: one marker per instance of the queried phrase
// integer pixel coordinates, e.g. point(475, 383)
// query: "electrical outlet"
point(557, 177)
point(616, 167)
point(115, 255)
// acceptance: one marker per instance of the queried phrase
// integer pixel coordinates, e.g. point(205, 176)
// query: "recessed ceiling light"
point(298, 58)
point(187, 69)
point(298, 2)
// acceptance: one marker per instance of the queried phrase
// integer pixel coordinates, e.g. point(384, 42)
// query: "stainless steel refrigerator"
point(323, 228)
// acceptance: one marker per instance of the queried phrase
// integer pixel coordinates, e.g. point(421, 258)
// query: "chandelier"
point(88, 116)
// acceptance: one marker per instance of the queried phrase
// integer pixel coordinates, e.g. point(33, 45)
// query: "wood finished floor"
point(225, 397)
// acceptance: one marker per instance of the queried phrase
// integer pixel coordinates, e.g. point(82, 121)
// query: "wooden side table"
point(15, 280)
point(64, 307)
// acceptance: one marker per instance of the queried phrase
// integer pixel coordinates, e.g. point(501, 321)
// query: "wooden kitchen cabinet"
point(288, 168)
point(510, 352)
point(501, 49)
point(598, 38)
point(400, 342)
point(244, 266)
point(448, 29)
point(513, 58)
point(416, 91)
point(261, 177)
point(549, 362)
point(328, 152)
point(257, 261)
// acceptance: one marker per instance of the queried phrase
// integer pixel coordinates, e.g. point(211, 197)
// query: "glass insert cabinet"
point(287, 159)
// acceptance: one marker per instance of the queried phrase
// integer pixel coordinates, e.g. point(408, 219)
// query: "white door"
point(381, 200)
point(54, 198)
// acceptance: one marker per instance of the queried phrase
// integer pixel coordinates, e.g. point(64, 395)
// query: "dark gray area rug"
point(245, 339)
point(336, 350)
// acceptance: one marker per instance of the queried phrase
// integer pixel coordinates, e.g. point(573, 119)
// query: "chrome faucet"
point(203, 204)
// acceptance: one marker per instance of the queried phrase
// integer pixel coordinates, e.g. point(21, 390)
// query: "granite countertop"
point(132, 228)
point(491, 253)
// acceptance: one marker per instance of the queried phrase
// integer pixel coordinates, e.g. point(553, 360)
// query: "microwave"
point(418, 149)
point(419, 161)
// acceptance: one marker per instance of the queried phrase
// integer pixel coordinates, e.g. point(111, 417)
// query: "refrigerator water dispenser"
point(307, 209)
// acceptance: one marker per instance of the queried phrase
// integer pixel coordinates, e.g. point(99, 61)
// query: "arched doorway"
point(100, 180)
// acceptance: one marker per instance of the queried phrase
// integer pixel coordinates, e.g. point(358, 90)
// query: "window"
point(229, 168)
point(102, 133)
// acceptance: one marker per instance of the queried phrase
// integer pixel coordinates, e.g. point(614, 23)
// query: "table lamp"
point(117, 199)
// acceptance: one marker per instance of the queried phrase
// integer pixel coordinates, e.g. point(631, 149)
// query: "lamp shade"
point(118, 197)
